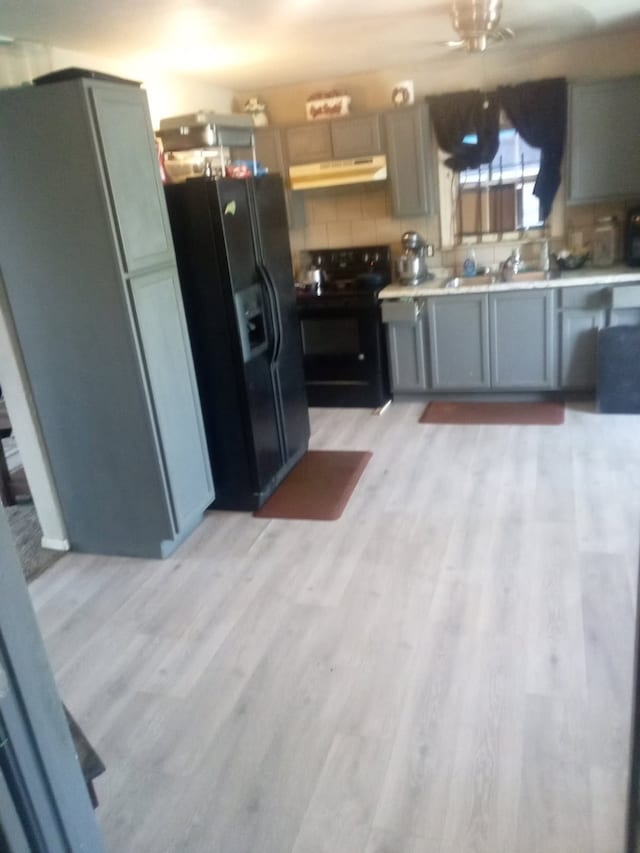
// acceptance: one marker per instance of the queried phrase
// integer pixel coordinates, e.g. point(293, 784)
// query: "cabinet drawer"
point(407, 311)
point(625, 296)
point(593, 297)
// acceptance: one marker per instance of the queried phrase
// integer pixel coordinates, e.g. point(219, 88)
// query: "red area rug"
point(534, 414)
point(318, 488)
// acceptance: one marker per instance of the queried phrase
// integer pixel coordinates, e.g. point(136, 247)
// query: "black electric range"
point(345, 359)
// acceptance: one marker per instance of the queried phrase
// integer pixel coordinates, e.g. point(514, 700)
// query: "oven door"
point(344, 355)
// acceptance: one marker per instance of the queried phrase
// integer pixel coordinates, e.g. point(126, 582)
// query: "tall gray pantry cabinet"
point(88, 265)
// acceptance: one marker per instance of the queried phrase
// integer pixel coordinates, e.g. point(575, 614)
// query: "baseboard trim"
point(55, 544)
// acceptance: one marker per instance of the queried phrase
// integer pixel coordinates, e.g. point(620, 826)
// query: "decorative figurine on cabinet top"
point(257, 110)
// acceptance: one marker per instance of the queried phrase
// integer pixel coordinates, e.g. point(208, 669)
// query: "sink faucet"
point(545, 260)
point(511, 266)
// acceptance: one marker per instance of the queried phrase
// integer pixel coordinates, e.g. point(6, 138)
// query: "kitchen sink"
point(471, 281)
point(534, 275)
point(484, 280)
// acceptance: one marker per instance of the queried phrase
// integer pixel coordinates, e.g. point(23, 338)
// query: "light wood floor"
point(446, 669)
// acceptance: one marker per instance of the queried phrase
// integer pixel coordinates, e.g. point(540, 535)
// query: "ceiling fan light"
point(476, 43)
point(475, 18)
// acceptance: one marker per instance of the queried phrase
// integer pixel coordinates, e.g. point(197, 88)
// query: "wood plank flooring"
point(446, 669)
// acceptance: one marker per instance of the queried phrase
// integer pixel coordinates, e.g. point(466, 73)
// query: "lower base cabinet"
point(522, 332)
point(578, 348)
point(583, 312)
point(405, 324)
point(493, 342)
point(468, 342)
point(459, 342)
point(507, 341)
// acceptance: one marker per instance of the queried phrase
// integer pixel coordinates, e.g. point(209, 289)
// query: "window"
point(498, 198)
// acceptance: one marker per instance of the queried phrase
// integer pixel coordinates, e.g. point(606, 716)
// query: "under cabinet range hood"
point(205, 129)
point(335, 173)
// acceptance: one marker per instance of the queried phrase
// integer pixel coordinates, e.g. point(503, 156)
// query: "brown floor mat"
point(318, 488)
point(542, 414)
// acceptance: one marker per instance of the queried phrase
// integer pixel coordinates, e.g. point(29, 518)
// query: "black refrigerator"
point(234, 260)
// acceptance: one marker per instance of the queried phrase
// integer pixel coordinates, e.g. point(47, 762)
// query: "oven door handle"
point(276, 319)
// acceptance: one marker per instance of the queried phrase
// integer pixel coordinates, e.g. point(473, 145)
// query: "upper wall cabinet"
point(337, 139)
point(603, 142)
point(130, 171)
point(270, 153)
point(411, 161)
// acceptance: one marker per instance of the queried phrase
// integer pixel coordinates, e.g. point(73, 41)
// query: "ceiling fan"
point(477, 23)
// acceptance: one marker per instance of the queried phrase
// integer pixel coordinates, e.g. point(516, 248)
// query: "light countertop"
point(584, 277)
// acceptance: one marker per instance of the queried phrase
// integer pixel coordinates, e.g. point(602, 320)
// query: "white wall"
point(168, 94)
point(26, 430)
point(596, 58)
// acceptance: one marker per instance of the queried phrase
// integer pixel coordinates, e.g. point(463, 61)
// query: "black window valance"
point(461, 114)
point(538, 112)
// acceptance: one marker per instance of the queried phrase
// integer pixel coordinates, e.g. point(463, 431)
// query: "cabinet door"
point(459, 342)
point(356, 137)
point(411, 161)
point(165, 354)
point(604, 129)
point(578, 348)
point(269, 152)
point(43, 798)
point(130, 171)
point(406, 346)
point(309, 143)
point(523, 340)
point(269, 149)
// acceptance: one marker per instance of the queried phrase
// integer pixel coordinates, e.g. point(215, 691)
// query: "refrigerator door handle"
point(275, 311)
point(275, 373)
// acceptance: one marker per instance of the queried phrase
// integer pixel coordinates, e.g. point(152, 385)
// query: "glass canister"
point(605, 242)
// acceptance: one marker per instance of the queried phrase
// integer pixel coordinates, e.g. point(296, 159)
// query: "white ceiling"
point(254, 44)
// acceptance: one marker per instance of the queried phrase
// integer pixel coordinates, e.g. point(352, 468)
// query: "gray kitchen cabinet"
point(578, 348)
point(308, 143)
point(583, 311)
point(406, 331)
point(603, 150)
point(270, 153)
point(522, 331)
point(130, 175)
point(411, 161)
point(355, 136)
point(334, 139)
point(459, 342)
point(90, 279)
point(624, 305)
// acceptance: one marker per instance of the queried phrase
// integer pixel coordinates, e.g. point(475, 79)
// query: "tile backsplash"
point(357, 216)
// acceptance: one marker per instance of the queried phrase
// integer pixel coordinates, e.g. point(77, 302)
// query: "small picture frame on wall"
point(402, 93)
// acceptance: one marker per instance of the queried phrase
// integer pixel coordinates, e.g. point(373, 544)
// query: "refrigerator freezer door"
point(275, 256)
point(262, 397)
